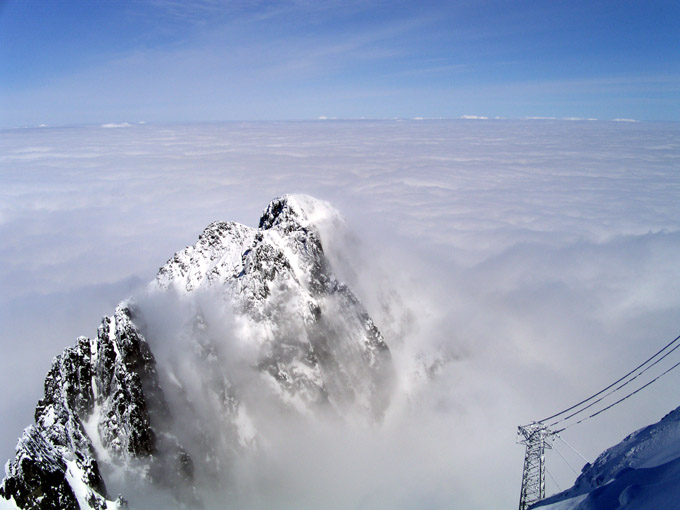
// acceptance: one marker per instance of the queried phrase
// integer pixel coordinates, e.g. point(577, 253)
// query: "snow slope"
point(642, 472)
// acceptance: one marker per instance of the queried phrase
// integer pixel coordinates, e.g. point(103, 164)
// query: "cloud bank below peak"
point(539, 255)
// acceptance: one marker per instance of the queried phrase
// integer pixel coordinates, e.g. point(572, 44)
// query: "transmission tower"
point(537, 437)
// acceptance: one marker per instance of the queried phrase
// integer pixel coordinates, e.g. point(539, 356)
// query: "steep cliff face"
point(316, 344)
point(263, 325)
point(99, 398)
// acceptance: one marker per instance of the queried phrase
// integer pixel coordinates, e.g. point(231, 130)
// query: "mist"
point(540, 257)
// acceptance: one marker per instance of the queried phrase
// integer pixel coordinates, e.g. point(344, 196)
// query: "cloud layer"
point(541, 255)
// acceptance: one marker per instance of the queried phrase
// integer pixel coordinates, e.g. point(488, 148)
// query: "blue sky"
point(95, 61)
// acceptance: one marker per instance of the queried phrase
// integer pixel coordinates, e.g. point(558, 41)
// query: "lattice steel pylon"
point(537, 437)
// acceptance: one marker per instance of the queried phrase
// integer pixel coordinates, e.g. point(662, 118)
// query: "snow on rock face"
point(642, 472)
point(267, 321)
point(37, 476)
point(316, 343)
point(108, 383)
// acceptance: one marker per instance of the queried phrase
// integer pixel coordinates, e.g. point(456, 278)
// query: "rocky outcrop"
point(306, 345)
point(316, 343)
point(102, 400)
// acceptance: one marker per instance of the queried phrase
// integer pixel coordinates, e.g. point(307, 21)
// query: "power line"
point(621, 399)
point(553, 479)
point(571, 447)
point(565, 460)
point(612, 384)
point(616, 389)
point(537, 436)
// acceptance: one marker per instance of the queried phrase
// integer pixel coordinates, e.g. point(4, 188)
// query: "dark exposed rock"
point(316, 350)
point(105, 387)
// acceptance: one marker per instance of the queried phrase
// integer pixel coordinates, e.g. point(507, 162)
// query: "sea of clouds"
point(539, 255)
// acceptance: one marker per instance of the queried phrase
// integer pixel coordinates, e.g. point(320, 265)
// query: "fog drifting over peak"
point(541, 256)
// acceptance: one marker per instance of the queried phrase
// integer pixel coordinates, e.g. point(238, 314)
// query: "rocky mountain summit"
point(246, 327)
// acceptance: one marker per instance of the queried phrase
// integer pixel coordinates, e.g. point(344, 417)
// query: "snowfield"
point(642, 472)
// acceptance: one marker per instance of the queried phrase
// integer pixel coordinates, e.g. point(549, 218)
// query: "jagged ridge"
point(99, 398)
point(316, 350)
point(280, 279)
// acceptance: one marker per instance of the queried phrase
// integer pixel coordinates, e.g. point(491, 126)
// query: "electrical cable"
point(553, 479)
point(565, 460)
point(615, 389)
point(620, 400)
point(545, 432)
point(572, 448)
point(612, 384)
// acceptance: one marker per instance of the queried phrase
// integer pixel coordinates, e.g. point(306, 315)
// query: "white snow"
point(642, 472)
point(8, 504)
point(91, 426)
point(94, 353)
point(49, 417)
point(567, 504)
point(74, 476)
point(112, 335)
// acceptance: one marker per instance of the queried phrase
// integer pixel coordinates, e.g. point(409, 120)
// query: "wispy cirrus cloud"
point(222, 60)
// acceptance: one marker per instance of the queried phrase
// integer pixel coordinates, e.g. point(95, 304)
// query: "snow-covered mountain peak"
point(292, 212)
point(244, 330)
point(291, 309)
point(286, 246)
